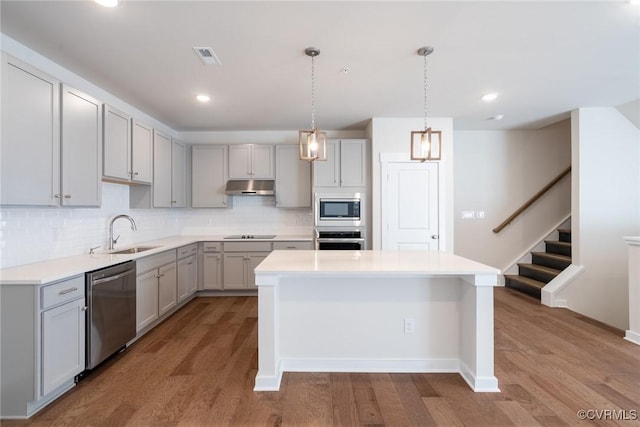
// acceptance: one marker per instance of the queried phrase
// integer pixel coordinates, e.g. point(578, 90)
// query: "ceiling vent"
point(207, 55)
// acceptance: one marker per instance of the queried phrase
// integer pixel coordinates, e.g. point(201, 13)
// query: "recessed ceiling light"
point(107, 3)
point(489, 97)
point(203, 98)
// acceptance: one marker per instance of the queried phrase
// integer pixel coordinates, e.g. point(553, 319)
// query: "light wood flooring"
point(198, 367)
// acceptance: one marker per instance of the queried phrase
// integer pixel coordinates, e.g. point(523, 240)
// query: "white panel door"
point(410, 206)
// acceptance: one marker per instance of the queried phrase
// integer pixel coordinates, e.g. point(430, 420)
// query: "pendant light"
point(425, 144)
point(312, 142)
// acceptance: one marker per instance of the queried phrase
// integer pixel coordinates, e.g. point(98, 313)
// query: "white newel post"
point(633, 333)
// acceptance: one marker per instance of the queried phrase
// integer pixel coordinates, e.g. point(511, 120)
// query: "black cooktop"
point(251, 236)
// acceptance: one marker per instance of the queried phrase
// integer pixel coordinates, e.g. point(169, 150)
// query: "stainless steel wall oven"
point(340, 240)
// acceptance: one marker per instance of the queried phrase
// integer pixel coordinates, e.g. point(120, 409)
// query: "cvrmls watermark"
point(608, 414)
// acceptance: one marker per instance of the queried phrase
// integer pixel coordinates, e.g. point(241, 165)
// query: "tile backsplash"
point(37, 234)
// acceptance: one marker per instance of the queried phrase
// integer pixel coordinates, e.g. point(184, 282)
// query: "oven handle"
point(337, 239)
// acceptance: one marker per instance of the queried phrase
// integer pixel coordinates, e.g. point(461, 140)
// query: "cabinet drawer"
point(185, 251)
point(212, 246)
point(247, 246)
point(60, 292)
point(292, 245)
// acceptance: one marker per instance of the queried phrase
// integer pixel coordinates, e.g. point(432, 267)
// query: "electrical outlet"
point(468, 214)
point(409, 325)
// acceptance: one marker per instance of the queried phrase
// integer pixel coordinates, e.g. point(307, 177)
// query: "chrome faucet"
point(113, 241)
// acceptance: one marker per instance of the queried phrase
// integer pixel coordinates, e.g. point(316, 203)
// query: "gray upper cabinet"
point(169, 176)
point(178, 174)
point(117, 145)
point(141, 152)
point(208, 176)
point(345, 164)
point(251, 161)
point(51, 140)
point(30, 124)
point(161, 170)
point(128, 148)
point(293, 178)
point(81, 149)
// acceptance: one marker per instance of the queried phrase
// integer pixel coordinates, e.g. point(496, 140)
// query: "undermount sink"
point(134, 250)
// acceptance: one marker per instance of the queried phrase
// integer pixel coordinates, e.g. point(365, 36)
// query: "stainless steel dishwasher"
point(111, 312)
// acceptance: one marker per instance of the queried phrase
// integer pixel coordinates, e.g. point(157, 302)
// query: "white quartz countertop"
point(379, 263)
point(62, 268)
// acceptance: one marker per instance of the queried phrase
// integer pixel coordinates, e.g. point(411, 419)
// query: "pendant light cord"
point(425, 92)
point(313, 95)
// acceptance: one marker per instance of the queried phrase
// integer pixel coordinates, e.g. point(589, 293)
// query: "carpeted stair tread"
point(526, 280)
point(538, 272)
point(525, 285)
point(564, 230)
point(558, 257)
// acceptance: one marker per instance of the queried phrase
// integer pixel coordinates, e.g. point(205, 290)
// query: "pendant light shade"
point(312, 142)
point(426, 144)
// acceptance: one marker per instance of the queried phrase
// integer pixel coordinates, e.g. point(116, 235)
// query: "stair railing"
point(532, 200)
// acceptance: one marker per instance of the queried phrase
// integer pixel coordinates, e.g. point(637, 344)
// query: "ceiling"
point(542, 58)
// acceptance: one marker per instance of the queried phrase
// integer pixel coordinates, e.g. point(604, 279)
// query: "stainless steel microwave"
point(339, 210)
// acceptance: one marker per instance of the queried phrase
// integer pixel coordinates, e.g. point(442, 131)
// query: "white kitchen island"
point(375, 311)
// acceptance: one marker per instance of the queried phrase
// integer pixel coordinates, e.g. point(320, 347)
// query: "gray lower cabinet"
point(43, 343)
point(156, 287)
point(239, 261)
point(212, 266)
point(187, 271)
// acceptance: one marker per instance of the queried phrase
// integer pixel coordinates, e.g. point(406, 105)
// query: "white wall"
point(392, 135)
point(606, 207)
point(496, 172)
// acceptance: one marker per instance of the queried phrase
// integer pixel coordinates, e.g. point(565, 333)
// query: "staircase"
point(545, 266)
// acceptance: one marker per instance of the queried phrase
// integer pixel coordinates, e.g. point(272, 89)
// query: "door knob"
point(435, 236)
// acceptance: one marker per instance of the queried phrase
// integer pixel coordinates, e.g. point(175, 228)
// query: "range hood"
point(250, 187)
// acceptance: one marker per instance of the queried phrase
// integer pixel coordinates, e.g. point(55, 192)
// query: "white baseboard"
point(632, 336)
point(371, 365)
point(477, 383)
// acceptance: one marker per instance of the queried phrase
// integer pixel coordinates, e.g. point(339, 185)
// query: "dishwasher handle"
point(110, 278)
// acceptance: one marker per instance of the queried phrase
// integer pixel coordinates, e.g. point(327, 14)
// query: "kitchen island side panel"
point(364, 319)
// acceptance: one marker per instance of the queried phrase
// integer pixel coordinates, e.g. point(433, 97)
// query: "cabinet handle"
point(160, 275)
point(135, 174)
point(57, 196)
point(67, 291)
point(189, 263)
point(291, 247)
point(342, 181)
point(67, 196)
point(173, 201)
